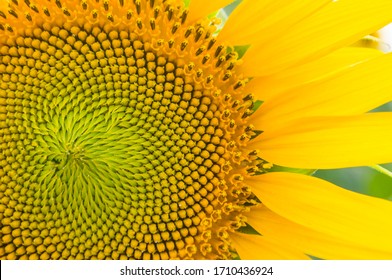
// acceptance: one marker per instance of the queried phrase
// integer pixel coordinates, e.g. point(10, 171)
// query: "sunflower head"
point(129, 129)
point(123, 132)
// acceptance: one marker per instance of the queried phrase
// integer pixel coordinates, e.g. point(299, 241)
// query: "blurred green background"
point(362, 179)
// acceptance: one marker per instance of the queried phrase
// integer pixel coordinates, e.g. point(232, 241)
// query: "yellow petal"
point(326, 208)
point(309, 241)
point(202, 8)
point(328, 142)
point(3, 5)
point(345, 93)
point(266, 88)
point(256, 247)
point(253, 21)
point(337, 24)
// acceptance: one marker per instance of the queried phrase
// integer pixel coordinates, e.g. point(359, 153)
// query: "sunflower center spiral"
point(120, 143)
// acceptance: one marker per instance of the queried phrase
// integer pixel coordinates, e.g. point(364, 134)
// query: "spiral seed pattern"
point(123, 133)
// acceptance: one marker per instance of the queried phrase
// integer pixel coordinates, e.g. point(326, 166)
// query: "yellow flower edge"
point(128, 131)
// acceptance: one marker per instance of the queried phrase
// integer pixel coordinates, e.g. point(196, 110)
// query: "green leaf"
point(380, 185)
point(248, 229)
point(277, 168)
point(241, 50)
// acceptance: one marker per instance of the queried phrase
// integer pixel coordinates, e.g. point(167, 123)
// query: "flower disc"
point(123, 133)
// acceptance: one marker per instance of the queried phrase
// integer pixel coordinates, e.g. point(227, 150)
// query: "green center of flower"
point(121, 144)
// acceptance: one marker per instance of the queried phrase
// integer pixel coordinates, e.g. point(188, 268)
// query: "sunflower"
point(136, 130)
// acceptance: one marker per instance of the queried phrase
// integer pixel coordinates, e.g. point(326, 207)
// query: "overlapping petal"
point(202, 8)
point(307, 240)
point(321, 206)
point(356, 90)
point(258, 21)
point(268, 87)
point(328, 142)
point(256, 247)
point(336, 25)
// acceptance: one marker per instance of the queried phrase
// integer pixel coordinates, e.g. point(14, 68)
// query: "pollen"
point(123, 132)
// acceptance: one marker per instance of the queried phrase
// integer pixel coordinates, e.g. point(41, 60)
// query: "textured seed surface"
point(123, 132)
